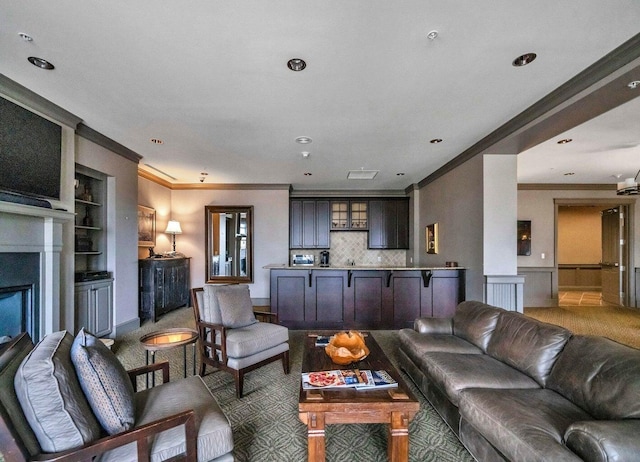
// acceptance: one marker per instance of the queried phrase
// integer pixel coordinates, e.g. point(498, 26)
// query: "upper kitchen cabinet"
point(389, 223)
point(349, 215)
point(309, 224)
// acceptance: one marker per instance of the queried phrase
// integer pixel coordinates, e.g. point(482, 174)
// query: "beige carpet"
point(615, 322)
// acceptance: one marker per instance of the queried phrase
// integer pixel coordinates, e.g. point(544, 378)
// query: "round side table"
point(166, 339)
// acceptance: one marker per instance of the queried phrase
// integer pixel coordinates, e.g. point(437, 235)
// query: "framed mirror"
point(228, 243)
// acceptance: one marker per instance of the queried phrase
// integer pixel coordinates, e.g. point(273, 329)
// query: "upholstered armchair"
point(70, 400)
point(230, 336)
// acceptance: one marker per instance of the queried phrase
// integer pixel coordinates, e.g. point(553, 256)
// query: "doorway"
point(593, 252)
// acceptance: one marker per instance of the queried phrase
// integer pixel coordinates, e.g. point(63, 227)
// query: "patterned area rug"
point(265, 421)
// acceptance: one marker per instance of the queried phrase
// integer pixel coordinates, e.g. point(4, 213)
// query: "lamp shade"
point(173, 227)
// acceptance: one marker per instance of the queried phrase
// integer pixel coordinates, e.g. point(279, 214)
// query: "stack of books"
point(354, 378)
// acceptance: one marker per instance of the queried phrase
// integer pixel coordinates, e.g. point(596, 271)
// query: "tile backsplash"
point(352, 245)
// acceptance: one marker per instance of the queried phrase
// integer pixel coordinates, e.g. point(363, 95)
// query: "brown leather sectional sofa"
point(516, 389)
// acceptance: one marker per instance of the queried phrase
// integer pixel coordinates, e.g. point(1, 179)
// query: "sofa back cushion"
point(475, 322)
point(529, 345)
point(51, 397)
point(599, 375)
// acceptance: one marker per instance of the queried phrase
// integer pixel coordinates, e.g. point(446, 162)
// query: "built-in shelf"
point(89, 253)
point(95, 204)
point(95, 228)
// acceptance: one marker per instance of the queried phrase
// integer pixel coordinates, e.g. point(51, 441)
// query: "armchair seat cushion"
point(255, 338)
point(214, 432)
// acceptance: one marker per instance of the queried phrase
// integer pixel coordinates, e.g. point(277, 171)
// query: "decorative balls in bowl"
point(347, 347)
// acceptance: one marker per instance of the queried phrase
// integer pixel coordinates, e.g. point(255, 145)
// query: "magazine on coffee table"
point(377, 380)
point(333, 379)
point(322, 340)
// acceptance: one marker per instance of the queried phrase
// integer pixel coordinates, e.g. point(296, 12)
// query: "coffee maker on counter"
point(324, 258)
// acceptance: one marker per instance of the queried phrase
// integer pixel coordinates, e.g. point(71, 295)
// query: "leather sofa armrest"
point(433, 325)
point(604, 440)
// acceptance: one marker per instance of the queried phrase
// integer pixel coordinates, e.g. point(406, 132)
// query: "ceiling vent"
point(362, 174)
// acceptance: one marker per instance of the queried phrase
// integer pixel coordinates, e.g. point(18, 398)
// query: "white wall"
point(122, 227)
point(270, 229)
point(455, 202)
point(151, 194)
point(500, 209)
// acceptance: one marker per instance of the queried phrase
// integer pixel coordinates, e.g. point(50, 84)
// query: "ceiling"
point(209, 79)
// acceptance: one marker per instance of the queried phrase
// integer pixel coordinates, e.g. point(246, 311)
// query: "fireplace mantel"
point(30, 210)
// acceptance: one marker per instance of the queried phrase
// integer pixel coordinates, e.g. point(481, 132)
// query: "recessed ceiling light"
point(306, 154)
point(25, 37)
point(308, 173)
point(156, 141)
point(634, 84)
point(565, 141)
point(400, 174)
point(524, 59)
point(569, 174)
point(296, 64)
point(303, 140)
point(432, 35)
point(41, 63)
point(436, 141)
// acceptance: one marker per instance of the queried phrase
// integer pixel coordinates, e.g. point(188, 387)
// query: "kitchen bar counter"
point(364, 267)
point(363, 297)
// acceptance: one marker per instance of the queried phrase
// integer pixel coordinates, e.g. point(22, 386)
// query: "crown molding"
point(107, 143)
point(210, 186)
point(567, 187)
point(32, 101)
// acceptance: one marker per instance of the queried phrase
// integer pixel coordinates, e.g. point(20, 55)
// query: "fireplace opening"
point(17, 312)
point(20, 294)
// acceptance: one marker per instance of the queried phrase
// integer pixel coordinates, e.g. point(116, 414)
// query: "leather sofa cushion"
point(415, 345)
point(433, 325)
point(528, 345)
point(475, 322)
point(214, 432)
point(524, 425)
point(453, 372)
point(600, 376)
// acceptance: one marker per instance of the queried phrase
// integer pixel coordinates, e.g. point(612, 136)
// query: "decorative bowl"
point(347, 347)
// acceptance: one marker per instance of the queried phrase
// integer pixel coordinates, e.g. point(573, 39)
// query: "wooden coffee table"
point(317, 408)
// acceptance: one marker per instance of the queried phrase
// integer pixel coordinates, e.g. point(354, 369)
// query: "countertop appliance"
point(324, 258)
point(302, 260)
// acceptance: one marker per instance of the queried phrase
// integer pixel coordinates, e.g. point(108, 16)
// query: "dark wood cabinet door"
point(448, 290)
point(389, 224)
point(323, 222)
point(329, 299)
point(409, 295)
point(288, 296)
point(377, 228)
point(295, 224)
point(369, 299)
point(309, 222)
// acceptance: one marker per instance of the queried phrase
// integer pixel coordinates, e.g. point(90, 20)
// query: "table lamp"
point(173, 227)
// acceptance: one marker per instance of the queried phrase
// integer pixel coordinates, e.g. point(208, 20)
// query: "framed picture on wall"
point(146, 226)
point(432, 238)
point(524, 237)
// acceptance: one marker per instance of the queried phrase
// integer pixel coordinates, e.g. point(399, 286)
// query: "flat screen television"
point(30, 153)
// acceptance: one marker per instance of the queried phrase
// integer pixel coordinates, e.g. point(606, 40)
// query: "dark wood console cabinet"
point(164, 286)
point(362, 298)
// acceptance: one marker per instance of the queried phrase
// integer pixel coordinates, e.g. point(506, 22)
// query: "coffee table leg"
point(315, 437)
point(398, 442)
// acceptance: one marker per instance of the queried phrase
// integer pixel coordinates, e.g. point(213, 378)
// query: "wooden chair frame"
point(209, 349)
point(13, 449)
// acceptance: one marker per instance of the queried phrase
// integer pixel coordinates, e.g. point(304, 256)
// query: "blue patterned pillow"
point(105, 383)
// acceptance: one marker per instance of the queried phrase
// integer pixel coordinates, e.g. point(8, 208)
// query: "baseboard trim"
point(126, 327)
